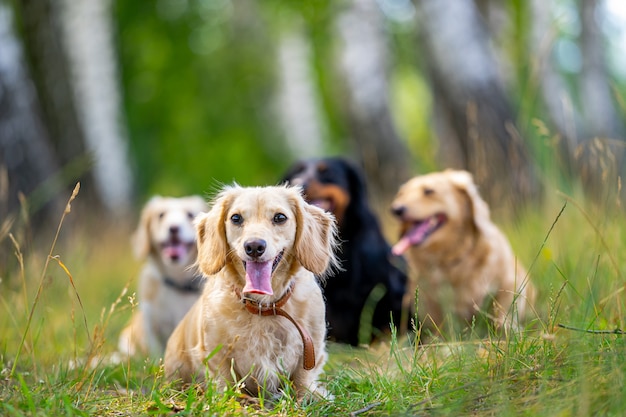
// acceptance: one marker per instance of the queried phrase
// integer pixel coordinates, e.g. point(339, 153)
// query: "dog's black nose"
point(398, 210)
point(255, 247)
point(174, 229)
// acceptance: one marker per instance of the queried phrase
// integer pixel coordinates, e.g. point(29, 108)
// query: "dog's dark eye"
point(161, 214)
point(279, 218)
point(323, 171)
point(190, 215)
point(429, 191)
point(236, 219)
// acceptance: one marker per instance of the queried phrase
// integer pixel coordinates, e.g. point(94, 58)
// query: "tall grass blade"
point(68, 209)
point(80, 302)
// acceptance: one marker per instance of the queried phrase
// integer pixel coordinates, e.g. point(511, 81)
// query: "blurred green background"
point(179, 96)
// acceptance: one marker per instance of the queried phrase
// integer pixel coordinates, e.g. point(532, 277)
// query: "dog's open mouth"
point(175, 249)
point(418, 233)
point(259, 275)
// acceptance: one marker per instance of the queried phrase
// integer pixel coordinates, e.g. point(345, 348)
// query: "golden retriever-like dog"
point(168, 284)
point(463, 262)
point(260, 249)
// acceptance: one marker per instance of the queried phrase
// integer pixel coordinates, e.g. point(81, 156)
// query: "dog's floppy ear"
point(211, 234)
point(141, 237)
point(356, 181)
point(464, 181)
point(316, 237)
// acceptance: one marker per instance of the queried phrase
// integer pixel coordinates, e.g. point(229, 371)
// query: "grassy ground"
point(60, 312)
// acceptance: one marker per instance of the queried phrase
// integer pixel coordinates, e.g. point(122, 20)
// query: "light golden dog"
point(463, 262)
point(169, 284)
point(260, 249)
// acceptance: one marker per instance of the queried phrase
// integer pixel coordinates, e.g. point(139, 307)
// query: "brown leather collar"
point(275, 309)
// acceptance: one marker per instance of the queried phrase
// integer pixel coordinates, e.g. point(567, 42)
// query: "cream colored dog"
point(260, 249)
point(463, 261)
point(168, 285)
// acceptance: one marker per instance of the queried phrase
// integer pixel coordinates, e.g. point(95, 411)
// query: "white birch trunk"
point(297, 101)
point(88, 39)
point(364, 64)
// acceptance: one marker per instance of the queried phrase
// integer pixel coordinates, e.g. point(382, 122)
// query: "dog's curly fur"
point(297, 243)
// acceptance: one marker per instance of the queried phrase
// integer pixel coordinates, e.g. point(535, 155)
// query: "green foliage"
point(197, 88)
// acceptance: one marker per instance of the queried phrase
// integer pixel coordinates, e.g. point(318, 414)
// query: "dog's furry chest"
point(462, 282)
point(166, 310)
point(261, 349)
point(277, 351)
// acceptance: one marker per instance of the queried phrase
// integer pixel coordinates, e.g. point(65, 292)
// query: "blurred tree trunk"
point(297, 99)
point(87, 29)
point(600, 158)
point(598, 105)
point(473, 114)
point(364, 65)
point(69, 46)
point(590, 130)
point(26, 157)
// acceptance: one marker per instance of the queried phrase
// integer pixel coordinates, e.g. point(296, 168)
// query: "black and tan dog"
point(363, 297)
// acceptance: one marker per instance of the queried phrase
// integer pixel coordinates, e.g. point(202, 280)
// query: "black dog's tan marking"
point(338, 187)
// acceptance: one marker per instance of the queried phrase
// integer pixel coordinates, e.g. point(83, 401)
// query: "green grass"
point(80, 294)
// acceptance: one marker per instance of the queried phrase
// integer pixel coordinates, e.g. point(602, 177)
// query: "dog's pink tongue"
point(258, 278)
point(401, 247)
point(175, 251)
point(413, 236)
